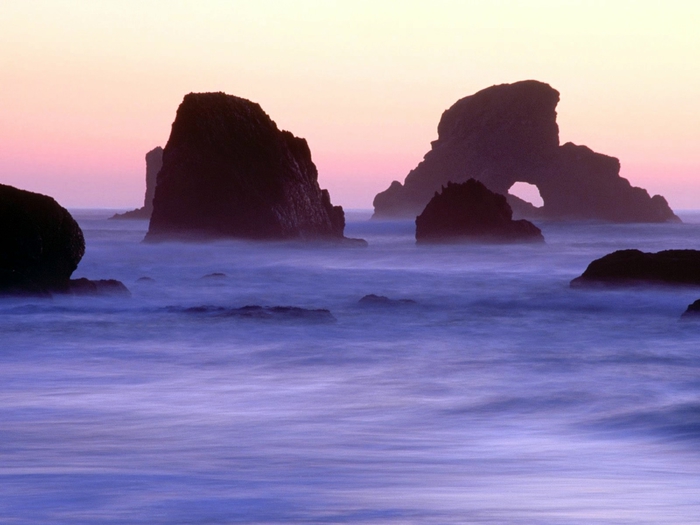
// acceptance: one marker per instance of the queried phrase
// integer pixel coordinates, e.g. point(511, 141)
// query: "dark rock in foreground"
point(40, 248)
point(228, 171)
point(470, 212)
point(506, 134)
point(693, 311)
point(633, 267)
point(382, 300)
point(262, 312)
point(40, 242)
point(154, 161)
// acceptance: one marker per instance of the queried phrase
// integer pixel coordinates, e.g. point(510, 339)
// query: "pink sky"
point(88, 87)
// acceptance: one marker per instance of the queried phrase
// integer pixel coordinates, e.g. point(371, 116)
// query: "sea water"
point(499, 395)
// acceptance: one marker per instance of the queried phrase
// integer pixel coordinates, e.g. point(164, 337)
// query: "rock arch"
point(508, 133)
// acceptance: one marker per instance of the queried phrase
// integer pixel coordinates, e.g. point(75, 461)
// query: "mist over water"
point(500, 396)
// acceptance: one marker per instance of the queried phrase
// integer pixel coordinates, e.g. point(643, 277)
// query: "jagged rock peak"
point(228, 171)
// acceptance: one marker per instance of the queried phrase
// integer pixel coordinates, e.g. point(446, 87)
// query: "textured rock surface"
point(508, 133)
point(154, 161)
point(228, 171)
point(40, 242)
point(470, 211)
point(632, 267)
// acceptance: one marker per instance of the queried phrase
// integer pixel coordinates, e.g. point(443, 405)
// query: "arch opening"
point(527, 192)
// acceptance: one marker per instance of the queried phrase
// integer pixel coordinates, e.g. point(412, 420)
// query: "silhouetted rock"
point(40, 243)
point(381, 300)
point(85, 286)
point(693, 311)
point(40, 248)
point(215, 275)
point(633, 267)
point(471, 212)
point(506, 134)
point(261, 312)
point(154, 161)
point(145, 280)
point(228, 171)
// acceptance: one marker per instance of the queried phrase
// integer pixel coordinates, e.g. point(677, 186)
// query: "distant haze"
point(89, 87)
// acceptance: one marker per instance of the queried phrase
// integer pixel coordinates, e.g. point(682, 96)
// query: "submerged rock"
point(228, 171)
point(215, 275)
point(471, 212)
point(154, 161)
point(381, 300)
point(85, 286)
point(634, 267)
point(261, 312)
point(506, 134)
point(40, 243)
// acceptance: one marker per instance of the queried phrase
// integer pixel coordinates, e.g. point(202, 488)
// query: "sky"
point(87, 87)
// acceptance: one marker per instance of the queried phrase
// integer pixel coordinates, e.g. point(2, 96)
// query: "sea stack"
point(470, 212)
point(154, 161)
point(229, 172)
point(506, 134)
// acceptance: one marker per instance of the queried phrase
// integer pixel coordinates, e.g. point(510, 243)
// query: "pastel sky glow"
point(89, 87)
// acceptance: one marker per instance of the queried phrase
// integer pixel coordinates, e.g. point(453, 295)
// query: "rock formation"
point(633, 267)
point(228, 171)
point(382, 300)
point(40, 242)
point(40, 247)
point(471, 212)
point(693, 311)
point(507, 134)
point(154, 161)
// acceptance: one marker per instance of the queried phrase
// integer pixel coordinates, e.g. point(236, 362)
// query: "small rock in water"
point(381, 300)
point(145, 280)
point(215, 275)
point(693, 311)
point(261, 312)
point(85, 286)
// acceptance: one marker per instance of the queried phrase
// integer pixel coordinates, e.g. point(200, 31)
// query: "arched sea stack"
point(506, 134)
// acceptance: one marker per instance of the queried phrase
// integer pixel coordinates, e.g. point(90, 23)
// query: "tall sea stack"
point(154, 161)
point(229, 172)
point(506, 134)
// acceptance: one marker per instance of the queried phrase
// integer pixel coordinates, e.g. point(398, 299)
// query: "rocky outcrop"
point(228, 171)
point(289, 313)
point(633, 267)
point(382, 300)
point(40, 248)
point(471, 212)
point(693, 311)
point(154, 161)
point(507, 134)
point(40, 242)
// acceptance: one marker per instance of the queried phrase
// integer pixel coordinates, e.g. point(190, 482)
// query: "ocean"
point(488, 391)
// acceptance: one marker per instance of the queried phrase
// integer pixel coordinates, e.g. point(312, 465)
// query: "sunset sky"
point(88, 87)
